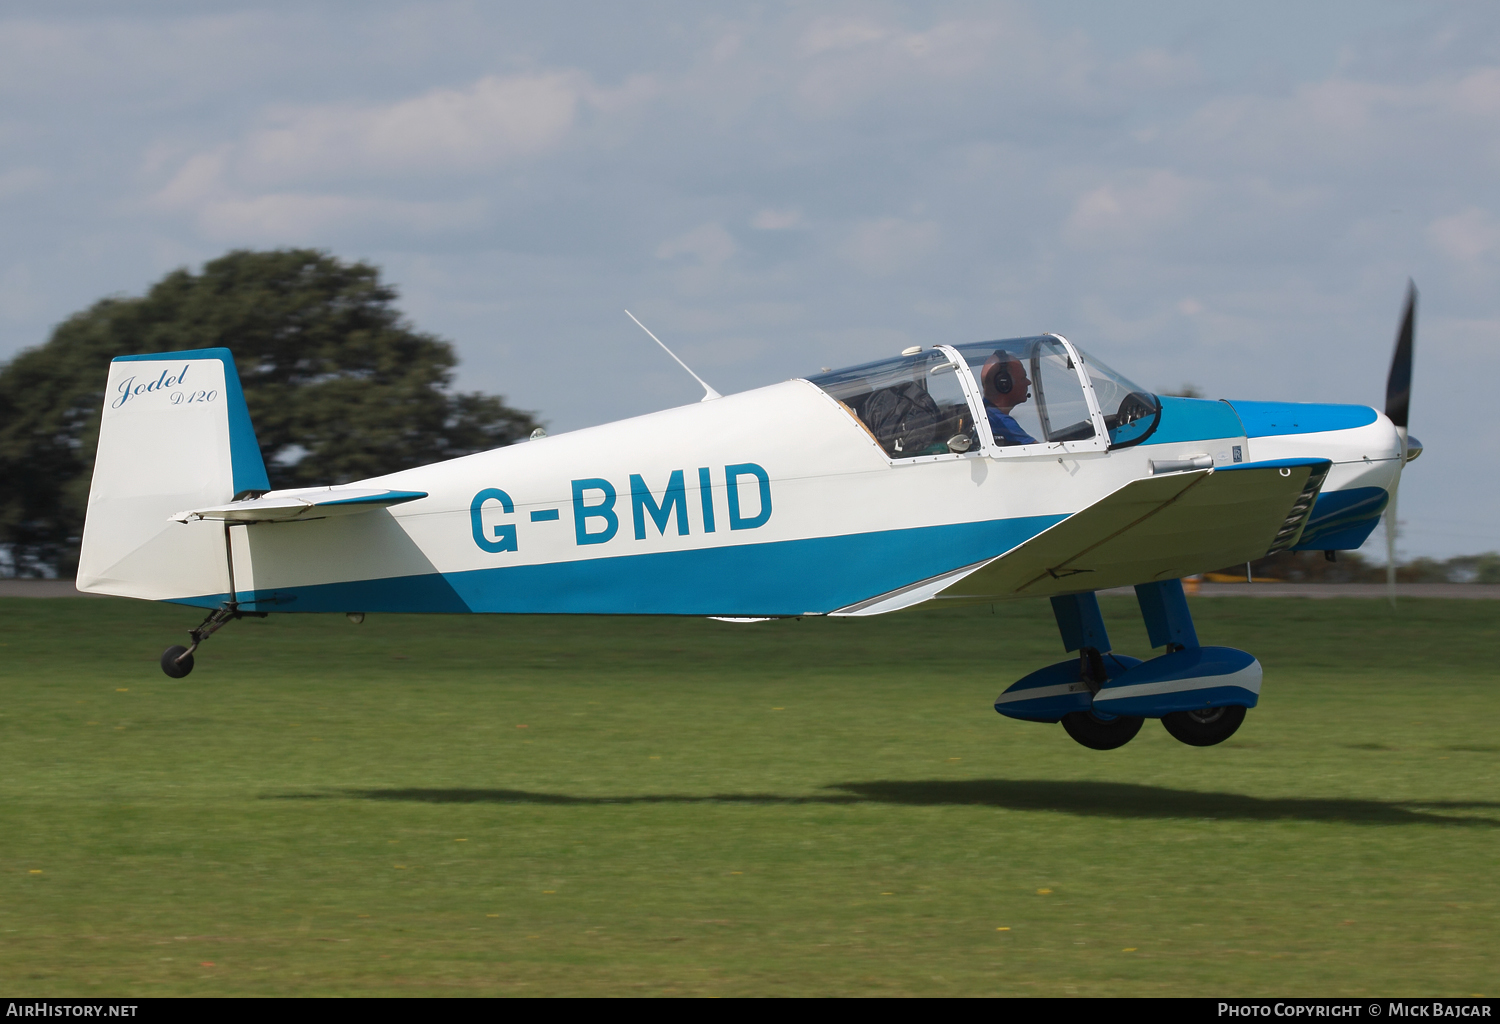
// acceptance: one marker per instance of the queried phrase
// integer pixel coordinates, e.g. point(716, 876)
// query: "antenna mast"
point(708, 393)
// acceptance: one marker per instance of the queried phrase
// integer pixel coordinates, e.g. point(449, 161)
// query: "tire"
point(171, 666)
point(1101, 732)
point(1204, 728)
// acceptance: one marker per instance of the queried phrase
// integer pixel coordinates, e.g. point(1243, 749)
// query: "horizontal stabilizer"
point(1158, 528)
point(296, 506)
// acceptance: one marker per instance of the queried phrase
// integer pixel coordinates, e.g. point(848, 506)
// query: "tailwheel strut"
point(177, 661)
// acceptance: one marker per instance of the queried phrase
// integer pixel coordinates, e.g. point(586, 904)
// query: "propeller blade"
point(1398, 407)
point(1390, 547)
point(1398, 384)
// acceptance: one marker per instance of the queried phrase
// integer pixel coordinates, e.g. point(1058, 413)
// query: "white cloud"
point(256, 188)
point(446, 130)
point(1466, 237)
point(1350, 122)
point(710, 244)
point(825, 34)
point(1131, 211)
point(201, 177)
point(442, 132)
point(1156, 67)
point(285, 217)
point(886, 246)
point(850, 62)
point(234, 215)
point(773, 219)
point(21, 180)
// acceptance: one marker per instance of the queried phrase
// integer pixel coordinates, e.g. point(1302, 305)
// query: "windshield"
point(912, 406)
point(1130, 411)
point(1031, 388)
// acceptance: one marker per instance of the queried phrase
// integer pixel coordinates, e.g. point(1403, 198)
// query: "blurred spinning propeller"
point(1397, 407)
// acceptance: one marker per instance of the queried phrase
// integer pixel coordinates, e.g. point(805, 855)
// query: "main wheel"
point(174, 664)
point(1204, 728)
point(1100, 731)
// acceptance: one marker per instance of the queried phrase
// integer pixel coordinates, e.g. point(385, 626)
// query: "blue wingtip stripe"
point(387, 498)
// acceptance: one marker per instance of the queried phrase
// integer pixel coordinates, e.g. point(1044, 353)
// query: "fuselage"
point(775, 501)
point(812, 496)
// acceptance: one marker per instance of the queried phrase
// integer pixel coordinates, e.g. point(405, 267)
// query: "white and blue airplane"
point(982, 472)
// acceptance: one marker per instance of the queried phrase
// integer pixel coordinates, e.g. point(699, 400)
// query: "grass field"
point(478, 805)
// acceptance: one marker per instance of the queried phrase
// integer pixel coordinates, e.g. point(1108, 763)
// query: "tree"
point(339, 387)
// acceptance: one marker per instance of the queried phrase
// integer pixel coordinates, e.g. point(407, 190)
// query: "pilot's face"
point(1020, 388)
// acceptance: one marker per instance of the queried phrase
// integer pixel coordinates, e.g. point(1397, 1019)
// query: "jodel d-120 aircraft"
point(976, 472)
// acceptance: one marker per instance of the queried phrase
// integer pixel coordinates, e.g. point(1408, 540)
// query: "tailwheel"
point(1100, 731)
point(177, 661)
point(1204, 728)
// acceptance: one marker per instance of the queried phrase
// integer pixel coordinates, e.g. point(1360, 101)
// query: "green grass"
point(477, 805)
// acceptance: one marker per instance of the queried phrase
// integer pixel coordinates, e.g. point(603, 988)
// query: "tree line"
point(339, 385)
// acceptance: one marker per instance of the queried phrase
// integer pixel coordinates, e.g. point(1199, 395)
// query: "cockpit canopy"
point(1011, 394)
point(912, 405)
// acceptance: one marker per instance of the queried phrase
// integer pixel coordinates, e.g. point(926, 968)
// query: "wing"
point(1156, 529)
point(294, 506)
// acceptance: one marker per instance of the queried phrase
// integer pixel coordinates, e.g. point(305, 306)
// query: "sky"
point(1231, 196)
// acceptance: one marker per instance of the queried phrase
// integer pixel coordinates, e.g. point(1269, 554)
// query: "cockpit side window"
point(912, 406)
point(1060, 401)
point(1130, 412)
point(1032, 391)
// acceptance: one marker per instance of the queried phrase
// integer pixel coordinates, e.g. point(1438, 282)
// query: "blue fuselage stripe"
point(819, 574)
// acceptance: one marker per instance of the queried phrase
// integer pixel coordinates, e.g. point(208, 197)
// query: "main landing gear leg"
point(1101, 698)
point(1169, 624)
point(1082, 628)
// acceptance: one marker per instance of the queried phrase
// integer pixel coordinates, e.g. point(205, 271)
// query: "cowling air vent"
point(1296, 519)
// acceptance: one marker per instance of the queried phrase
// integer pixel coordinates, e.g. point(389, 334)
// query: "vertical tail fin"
point(175, 434)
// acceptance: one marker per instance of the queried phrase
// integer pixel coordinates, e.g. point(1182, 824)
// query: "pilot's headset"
point(1000, 377)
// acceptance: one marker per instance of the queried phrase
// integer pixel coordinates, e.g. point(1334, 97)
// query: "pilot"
point(1005, 387)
